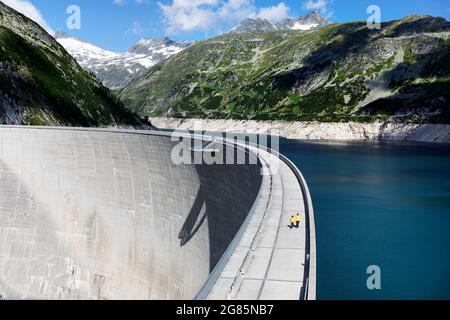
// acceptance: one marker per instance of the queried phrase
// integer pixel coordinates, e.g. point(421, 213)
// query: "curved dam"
point(106, 214)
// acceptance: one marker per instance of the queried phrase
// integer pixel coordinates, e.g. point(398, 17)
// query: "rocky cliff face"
point(41, 84)
point(337, 73)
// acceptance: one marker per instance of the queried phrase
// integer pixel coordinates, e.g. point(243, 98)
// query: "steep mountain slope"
point(116, 70)
point(41, 84)
point(340, 72)
point(310, 21)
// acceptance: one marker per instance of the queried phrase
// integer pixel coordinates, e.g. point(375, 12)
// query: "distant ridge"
point(310, 21)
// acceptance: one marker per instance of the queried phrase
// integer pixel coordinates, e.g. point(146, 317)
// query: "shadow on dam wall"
point(101, 215)
point(225, 197)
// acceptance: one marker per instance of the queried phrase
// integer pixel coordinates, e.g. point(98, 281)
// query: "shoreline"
point(313, 131)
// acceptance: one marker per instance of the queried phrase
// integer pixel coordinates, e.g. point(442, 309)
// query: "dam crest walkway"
point(269, 261)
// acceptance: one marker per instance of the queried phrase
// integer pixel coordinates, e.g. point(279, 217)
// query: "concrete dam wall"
point(106, 215)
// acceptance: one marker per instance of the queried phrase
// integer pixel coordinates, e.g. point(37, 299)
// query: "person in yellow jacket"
point(292, 221)
point(297, 221)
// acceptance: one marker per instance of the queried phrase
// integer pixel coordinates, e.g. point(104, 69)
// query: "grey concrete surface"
point(86, 214)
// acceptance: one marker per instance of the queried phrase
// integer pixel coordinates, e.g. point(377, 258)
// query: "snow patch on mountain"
point(304, 27)
point(82, 51)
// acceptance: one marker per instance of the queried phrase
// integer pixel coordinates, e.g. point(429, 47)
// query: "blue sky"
point(118, 24)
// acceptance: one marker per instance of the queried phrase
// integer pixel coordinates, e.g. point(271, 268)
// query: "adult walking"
point(298, 220)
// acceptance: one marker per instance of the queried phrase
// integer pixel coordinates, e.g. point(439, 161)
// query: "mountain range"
point(116, 70)
point(310, 21)
point(338, 72)
point(41, 84)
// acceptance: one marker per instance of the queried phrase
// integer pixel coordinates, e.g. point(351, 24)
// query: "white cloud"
point(29, 10)
point(206, 15)
point(236, 10)
point(274, 13)
point(316, 4)
point(186, 15)
point(323, 6)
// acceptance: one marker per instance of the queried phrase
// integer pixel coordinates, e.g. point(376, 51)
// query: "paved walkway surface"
point(268, 263)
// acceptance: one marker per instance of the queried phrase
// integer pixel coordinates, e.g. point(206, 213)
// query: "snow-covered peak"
point(83, 51)
point(117, 69)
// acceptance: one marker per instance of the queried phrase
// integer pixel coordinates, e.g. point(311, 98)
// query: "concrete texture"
point(92, 214)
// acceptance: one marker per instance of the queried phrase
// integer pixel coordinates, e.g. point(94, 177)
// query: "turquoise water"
point(385, 204)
